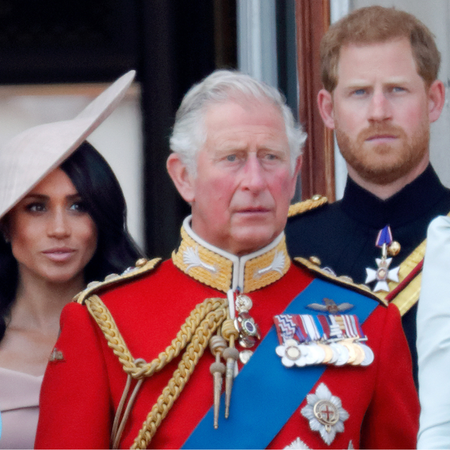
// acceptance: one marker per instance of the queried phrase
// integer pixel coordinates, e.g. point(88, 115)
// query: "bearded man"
point(380, 95)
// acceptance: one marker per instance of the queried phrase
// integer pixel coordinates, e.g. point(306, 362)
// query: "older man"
point(132, 363)
point(381, 93)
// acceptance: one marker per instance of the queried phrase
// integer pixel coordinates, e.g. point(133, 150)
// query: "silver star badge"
point(298, 443)
point(325, 413)
point(382, 274)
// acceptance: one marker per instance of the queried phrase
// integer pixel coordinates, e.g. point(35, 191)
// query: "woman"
point(433, 338)
point(61, 228)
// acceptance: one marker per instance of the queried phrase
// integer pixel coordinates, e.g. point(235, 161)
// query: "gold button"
point(346, 278)
point(394, 248)
point(315, 260)
point(111, 276)
point(141, 262)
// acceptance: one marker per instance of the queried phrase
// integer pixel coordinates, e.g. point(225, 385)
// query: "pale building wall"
point(118, 139)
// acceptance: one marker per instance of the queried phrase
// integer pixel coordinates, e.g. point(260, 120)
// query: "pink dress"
point(19, 408)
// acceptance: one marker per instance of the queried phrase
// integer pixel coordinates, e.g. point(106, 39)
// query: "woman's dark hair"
point(104, 201)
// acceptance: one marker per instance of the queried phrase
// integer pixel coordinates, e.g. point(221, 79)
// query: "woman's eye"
point(36, 207)
point(78, 206)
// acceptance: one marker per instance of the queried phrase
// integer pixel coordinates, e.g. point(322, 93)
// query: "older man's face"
point(241, 194)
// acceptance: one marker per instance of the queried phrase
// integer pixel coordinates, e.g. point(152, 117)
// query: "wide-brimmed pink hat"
point(30, 156)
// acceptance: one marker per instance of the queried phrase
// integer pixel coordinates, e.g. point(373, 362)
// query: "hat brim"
point(30, 156)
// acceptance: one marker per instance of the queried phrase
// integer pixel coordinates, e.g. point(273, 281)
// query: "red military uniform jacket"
point(83, 385)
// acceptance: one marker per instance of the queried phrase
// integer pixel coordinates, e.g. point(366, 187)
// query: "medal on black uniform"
point(383, 274)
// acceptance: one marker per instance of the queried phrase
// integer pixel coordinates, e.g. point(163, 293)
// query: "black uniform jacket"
point(343, 234)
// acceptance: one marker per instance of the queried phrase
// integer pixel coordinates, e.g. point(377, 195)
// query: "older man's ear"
point(183, 180)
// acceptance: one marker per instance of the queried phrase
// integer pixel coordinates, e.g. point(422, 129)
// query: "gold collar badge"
point(223, 271)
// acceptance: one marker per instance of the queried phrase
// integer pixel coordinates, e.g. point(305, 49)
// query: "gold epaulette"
point(343, 280)
point(142, 266)
point(307, 205)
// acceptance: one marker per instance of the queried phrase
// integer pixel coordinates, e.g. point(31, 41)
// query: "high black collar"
point(414, 200)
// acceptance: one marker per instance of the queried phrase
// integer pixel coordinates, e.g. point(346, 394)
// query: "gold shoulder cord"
point(195, 333)
point(143, 266)
point(307, 205)
point(343, 280)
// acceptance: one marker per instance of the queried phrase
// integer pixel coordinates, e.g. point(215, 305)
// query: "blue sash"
point(265, 383)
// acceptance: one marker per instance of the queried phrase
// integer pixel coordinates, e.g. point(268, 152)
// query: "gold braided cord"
point(342, 280)
point(106, 322)
point(307, 205)
point(181, 376)
point(116, 423)
point(196, 331)
point(142, 267)
point(138, 369)
point(115, 438)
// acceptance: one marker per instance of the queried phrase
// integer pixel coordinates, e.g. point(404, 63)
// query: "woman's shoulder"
point(18, 389)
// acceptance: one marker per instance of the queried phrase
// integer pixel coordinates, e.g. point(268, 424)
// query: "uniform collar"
point(224, 271)
point(414, 200)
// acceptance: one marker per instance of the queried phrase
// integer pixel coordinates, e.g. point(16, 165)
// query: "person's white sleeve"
point(433, 339)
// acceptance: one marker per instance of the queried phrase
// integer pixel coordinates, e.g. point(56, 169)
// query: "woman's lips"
point(59, 254)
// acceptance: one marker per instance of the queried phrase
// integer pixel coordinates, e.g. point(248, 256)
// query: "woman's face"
point(52, 236)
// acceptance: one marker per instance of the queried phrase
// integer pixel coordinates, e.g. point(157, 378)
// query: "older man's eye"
point(231, 158)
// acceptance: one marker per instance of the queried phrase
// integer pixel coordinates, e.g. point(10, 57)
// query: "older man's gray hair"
point(189, 134)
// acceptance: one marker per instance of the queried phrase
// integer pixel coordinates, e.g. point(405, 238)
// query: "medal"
point(383, 274)
point(328, 353)
point(342, 354)
point(369, 356)
point(292, 353)
point(245, 355)
point(315, 355)
point(360, 355)
point(248, 329)
point(307, 340)
point(351, 351)
point(325, 413)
